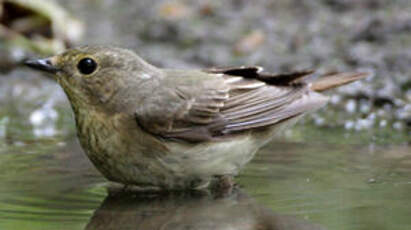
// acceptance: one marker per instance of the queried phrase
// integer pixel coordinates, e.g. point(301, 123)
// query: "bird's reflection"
point(190, 212)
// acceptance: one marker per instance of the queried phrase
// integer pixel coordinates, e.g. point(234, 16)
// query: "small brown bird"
point(178, 129)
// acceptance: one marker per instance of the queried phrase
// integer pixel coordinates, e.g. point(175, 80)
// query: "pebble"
point(351, 106)
point(349, 124)
point(43, 121)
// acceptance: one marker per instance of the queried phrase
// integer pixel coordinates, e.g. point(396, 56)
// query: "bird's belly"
point(181, 166)
point(166, 164)
point(211, 158)
point(217, 158)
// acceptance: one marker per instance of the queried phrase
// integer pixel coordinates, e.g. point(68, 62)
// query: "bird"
point(178, 129)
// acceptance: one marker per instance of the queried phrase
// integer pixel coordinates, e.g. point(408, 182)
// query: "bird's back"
point(200, 106)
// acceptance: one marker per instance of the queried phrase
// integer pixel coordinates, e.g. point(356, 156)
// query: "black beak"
point(42, 64)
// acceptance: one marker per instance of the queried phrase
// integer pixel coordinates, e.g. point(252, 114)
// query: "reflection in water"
point(50, 184)
point(190, 211)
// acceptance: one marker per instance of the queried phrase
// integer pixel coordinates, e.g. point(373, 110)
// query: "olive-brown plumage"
point(177, 129)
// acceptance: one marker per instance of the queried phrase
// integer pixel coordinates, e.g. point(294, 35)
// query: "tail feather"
point(336, 79)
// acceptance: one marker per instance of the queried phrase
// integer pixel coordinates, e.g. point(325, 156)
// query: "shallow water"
point(316, 179)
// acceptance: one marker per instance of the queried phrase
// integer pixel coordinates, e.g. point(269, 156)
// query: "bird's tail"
point(333, 80)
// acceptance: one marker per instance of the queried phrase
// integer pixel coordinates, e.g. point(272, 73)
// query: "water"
point(316, 179)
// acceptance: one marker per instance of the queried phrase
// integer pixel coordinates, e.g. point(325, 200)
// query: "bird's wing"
point(203, 105)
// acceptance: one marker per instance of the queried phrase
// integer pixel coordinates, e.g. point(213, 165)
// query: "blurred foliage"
point(34, 26)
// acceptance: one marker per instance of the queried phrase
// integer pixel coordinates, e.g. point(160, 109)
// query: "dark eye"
point(86, 66)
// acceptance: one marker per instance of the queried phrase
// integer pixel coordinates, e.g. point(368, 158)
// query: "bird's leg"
point(223, 185)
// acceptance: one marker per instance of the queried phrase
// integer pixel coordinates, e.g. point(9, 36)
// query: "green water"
point(315, 179)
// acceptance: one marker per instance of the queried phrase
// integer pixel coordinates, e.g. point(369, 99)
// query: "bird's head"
point(93, 75)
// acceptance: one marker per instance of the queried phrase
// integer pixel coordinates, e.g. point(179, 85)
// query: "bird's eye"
point(86, 66)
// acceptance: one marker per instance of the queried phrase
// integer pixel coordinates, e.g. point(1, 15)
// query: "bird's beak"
point(45, 65)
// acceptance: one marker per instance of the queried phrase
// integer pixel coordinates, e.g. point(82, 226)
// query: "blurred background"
point(282, 35)
point(347, 166)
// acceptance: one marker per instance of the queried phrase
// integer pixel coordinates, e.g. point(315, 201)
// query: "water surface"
point(314, 179)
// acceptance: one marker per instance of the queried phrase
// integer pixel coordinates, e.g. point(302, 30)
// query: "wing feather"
point(204, 105)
